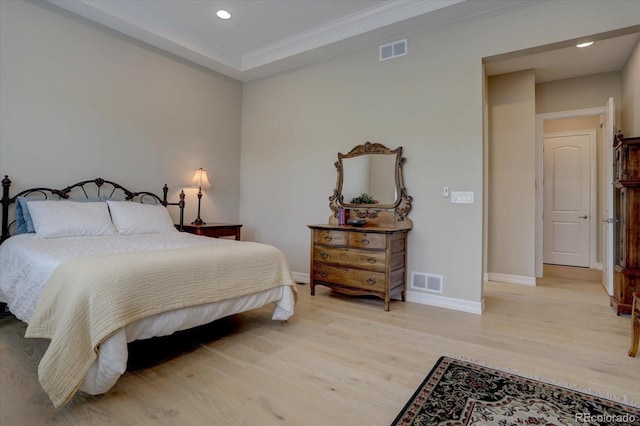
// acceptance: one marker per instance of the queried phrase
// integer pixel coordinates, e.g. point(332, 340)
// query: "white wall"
point(630, 123)
point(429, 102)
point(78, 101)
point(512, 173)
point(591, 91)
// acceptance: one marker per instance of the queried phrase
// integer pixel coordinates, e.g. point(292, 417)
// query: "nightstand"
point(215, 230)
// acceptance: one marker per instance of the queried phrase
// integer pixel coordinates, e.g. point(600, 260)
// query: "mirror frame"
point(402, 204)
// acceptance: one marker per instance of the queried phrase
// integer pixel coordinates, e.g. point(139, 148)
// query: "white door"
point(567, 199)
point(608, 213)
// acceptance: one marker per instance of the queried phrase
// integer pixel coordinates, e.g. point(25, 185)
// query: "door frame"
point(540, 119)
point(593, 189)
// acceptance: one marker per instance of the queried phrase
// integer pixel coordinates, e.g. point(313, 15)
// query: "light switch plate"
point(462, 197)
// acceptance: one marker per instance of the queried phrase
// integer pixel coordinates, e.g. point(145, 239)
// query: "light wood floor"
point(339, 360)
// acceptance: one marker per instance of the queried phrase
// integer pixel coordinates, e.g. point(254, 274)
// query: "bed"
point(92, 276)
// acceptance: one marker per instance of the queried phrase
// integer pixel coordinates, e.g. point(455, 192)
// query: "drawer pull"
point(371, 281)
point(328, 238)
point(364, 241)
point(324, 255)
point(371, 260)
point(323, 274)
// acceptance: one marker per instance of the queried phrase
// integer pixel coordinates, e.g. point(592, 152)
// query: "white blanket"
point(26, 263)
point(24, 269)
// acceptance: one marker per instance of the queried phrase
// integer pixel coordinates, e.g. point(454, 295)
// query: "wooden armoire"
point(626, 181)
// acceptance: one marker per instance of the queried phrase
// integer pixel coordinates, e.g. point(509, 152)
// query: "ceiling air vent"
point(426, 282)
point(393, 50)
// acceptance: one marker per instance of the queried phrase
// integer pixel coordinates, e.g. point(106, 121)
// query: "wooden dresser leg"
point(313, 288)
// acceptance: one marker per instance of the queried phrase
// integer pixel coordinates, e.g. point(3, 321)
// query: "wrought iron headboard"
point(143, 197)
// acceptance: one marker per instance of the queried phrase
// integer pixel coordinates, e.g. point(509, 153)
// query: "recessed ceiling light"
point(223, 14)
point(586, 44)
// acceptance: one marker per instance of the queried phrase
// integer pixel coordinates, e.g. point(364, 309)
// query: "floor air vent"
point(393, 50)
point(426, 282)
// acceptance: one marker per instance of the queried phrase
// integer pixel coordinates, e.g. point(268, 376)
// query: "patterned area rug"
point(463, 393)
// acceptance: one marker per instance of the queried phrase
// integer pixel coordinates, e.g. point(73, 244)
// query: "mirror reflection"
point(368, 178)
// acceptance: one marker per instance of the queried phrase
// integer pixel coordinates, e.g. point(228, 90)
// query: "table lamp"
point(200, 180)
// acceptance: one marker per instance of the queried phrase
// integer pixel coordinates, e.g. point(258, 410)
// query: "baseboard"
point(446, 302)
point(300, 277)
point(422, 298)
point(511, 279)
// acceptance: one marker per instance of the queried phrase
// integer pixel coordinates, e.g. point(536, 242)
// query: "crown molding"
point(134, 24)
point(195, 49)
point(387, 13)
point(366, 27)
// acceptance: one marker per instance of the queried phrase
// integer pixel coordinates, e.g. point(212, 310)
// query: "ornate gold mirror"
point(369, 181)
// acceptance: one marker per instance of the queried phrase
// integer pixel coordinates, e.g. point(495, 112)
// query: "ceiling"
point(565, 60)
point(270, 36)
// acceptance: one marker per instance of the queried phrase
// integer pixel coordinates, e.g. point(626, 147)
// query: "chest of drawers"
point(359, 261)
point(626, 183)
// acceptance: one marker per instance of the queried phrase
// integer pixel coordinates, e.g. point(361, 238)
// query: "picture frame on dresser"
point(370, 258)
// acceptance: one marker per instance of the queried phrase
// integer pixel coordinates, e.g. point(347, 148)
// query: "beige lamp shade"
point(200, 179)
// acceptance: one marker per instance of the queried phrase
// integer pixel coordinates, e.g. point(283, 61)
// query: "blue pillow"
point(23, 217)
point(21, 213)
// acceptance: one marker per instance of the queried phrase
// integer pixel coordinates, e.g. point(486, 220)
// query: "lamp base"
point(199, 221)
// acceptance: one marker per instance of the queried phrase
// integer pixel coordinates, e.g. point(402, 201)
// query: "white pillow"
point(70, 219)
point(136, 218)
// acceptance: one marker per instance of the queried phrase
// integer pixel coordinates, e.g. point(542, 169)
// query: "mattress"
point(27, 262)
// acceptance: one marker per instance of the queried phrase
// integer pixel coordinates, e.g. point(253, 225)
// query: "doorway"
point(599, 192)
point(569, 236)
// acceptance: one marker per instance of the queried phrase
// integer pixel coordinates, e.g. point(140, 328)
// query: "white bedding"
point(27, 262)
